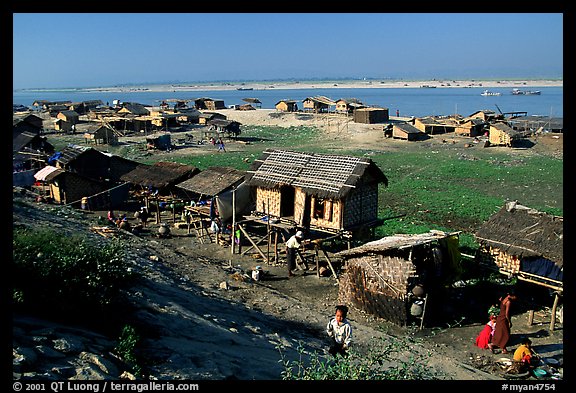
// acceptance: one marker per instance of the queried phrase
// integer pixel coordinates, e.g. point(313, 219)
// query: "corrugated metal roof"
point(47, 173)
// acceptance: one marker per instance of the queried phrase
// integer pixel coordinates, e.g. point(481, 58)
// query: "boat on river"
point(518, 92)
point(490, 93)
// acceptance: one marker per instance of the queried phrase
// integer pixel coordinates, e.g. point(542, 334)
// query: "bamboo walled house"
point(319, 191)
point(393, 277)
point(523, 242)
point(527, 244)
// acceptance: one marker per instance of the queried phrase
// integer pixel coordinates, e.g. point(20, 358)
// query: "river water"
point(416, 102)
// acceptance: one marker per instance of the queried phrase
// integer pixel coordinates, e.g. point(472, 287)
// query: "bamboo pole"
point(233, 245)
point(254, 244)
point(553, 316)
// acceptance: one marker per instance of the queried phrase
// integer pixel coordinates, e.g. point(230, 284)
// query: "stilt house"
point(527, 244)
point(524, 242)
point(319, 191)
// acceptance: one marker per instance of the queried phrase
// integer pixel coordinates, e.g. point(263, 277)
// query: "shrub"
point(66, 272)
point(387, 359)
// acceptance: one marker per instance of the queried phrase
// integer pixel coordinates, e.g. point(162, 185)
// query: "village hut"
point(216, 185)
point(317, 104)
point(287, 106)
point(134, 108)
point(320, 191)
point(501, 134)
point(51, 106)
point(159, 140)
point(30, 151)
point(71, 117)
point(205, 117)
point(101, 135)
point(155, 185)
point(398, 277)
point(64, 187)
point(348, 105)
point(119, 166)
point(433, 125)
point(26, 122)
point(83, 160)
point(209, 103)
point(230, 127)
point(161, 176)
point(254, 101)
point(487, 115)
point(471, 126)
point(406, 131)
point(371, 115)
point(525, 243)
point(66, 121)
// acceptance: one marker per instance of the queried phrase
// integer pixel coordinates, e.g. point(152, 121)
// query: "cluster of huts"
point(105, 123)
point(345, 106)
point(326, 195)
point(500, 130)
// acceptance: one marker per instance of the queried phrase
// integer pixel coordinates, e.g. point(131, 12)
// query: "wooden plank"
point(253, 243)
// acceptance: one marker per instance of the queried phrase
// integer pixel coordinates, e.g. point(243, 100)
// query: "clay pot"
point(417, 308)
point(419, 291)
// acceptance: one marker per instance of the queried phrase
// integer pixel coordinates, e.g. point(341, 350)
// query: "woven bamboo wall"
point(378, 285)
point(361, 205)
point(505, 261)
point(326, 221)
point(268, 201)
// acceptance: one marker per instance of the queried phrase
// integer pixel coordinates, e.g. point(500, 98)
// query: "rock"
point(103, 364)
point(68, 345)
point(224, 285)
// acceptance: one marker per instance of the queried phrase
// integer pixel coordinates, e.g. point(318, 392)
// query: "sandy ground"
point(357, 84)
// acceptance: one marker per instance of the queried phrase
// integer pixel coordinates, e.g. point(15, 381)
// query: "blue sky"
point(104, 49)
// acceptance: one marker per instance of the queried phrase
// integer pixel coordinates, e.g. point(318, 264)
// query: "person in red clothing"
point(484, 339)
point(503, 323)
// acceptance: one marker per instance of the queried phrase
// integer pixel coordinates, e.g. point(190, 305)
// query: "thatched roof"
point(159, 175)
point(323, 175)
point(397, 242)
point(72, 152)
point(213, 181)
point(524, 232)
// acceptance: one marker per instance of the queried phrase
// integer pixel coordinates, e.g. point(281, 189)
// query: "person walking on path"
point(292, 246)
point(503, 323)
point(340, 331)
point(221, 145)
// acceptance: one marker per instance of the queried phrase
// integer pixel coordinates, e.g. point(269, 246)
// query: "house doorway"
point(287, 195)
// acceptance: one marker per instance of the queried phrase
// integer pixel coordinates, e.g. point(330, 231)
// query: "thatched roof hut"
point(317, 190)
point(212, 181)
point(522, 241)
point(161, 175)
point(387, 277)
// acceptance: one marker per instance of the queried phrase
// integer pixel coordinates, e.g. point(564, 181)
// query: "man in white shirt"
point(292, 246)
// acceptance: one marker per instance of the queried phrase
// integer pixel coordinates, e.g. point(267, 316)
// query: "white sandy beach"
point(357, 84)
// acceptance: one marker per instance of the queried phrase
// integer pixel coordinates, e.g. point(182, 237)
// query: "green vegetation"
point(126, 349)
point(387, 359)
point(443, 188)
point(59, 273)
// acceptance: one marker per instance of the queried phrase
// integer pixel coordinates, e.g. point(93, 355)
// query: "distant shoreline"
point(297, 85)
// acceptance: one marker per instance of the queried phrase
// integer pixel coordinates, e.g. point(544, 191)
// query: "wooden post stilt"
point(553, 316)
point(530, 317)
